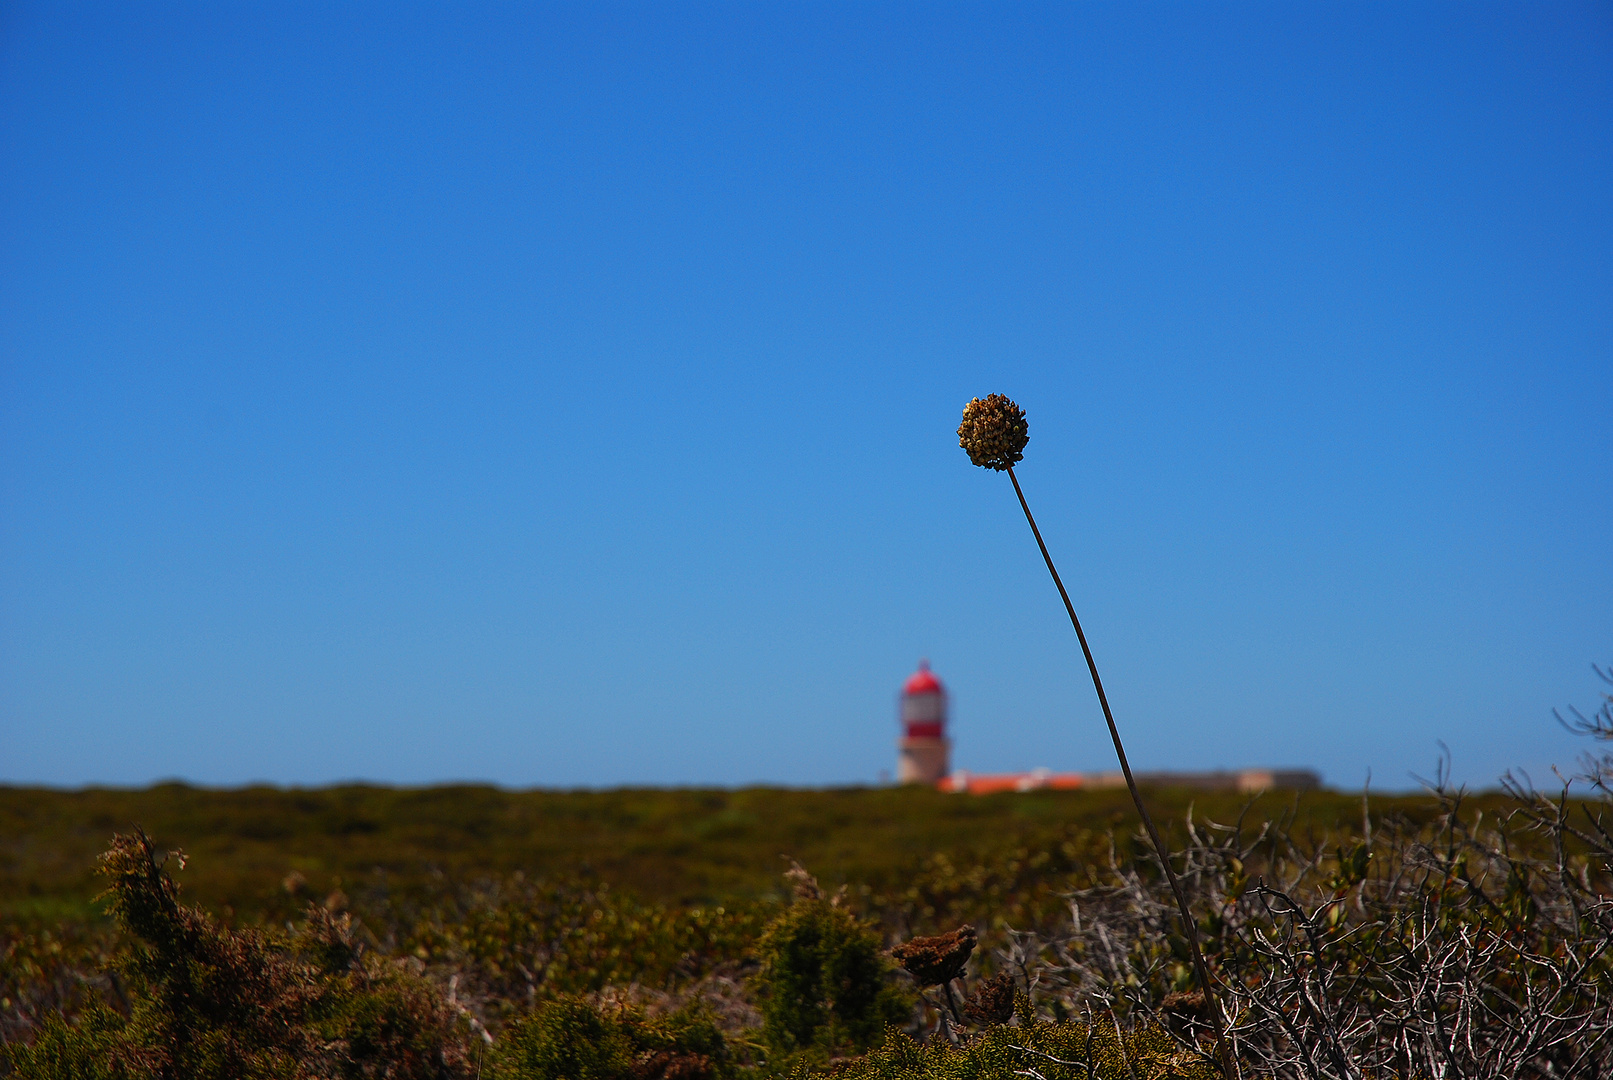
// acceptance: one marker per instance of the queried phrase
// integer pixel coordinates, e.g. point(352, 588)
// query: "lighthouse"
point(923, 749)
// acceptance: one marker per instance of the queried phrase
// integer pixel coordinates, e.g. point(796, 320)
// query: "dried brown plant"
point(994, 433)
point(936, 961)
point(1458, 948)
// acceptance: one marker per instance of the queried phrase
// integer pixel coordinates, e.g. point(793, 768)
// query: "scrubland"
point(712, 935)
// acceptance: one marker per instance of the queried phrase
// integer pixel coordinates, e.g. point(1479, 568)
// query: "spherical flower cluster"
point(994, 432)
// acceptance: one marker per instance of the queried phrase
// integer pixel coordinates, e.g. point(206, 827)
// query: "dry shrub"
point(207, 1001)
point(1095, 1047)
point(1467, 948)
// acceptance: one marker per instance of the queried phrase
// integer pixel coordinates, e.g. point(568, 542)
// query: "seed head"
point(994, 432)
point(936, 961)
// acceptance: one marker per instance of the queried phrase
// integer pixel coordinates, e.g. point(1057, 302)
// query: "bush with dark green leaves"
point(824, 984)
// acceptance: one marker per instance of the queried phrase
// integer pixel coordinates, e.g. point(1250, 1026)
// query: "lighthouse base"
point(922, 760)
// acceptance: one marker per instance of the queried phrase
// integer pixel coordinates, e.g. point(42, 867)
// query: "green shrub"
point(92, 1048)
point(824, 984)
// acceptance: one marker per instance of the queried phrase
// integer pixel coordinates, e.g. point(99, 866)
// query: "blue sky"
point(565, 395)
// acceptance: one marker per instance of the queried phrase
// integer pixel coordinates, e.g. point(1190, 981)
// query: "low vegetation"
point(1029, 936)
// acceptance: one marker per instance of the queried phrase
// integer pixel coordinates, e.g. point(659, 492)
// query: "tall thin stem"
point(1212, 1005)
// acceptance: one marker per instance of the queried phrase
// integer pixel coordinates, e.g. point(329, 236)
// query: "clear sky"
point(566, 394)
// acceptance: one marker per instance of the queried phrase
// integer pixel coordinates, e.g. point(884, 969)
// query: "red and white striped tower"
point(923, 749)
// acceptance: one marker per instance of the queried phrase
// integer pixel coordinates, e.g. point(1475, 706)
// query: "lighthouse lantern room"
point(923, 749)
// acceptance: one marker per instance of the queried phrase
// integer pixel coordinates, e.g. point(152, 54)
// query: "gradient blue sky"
point(566, 394)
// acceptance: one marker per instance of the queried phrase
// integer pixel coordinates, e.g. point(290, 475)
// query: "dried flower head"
point(994, 432)
point(936, 961)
